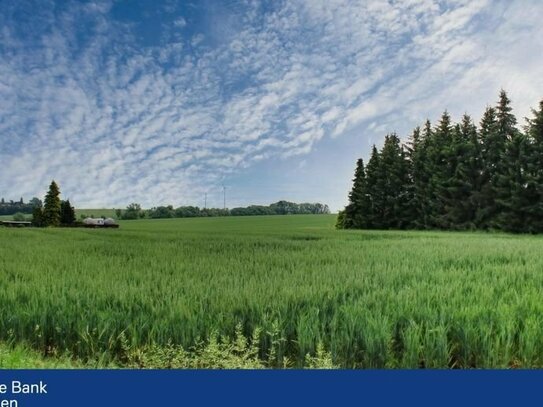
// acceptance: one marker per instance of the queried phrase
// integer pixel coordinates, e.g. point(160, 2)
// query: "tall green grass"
point(371, 299)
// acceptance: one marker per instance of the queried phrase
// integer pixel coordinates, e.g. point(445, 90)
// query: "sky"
point(162, 102)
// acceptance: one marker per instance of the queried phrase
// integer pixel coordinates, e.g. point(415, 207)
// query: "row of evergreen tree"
point(454, 176)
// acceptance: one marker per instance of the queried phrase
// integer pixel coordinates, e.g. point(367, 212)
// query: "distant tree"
point(187, 212)
point(51, 210)
point(67, 213)
point(133, 211)
point(162, 212)
point(321, 209)
point(251, 211)
point(35, 202)
point(12, 207)
point(37, 216)
point(284, 208)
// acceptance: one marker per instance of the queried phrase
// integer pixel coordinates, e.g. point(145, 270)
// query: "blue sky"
point(160, 102)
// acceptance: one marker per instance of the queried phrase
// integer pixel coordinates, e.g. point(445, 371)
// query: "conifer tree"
point(340, 220)
point(512, 196)
point(37, 216)
point(463, 187)
point(422, 181)
point(491, 152)
point(534, 186)
point(354, 210)
point(394, 169)
point(418, 176)
point(67, 213)
point(51, 209)
point(442, 164)
point(415, 161)
point(506, 120)
point(455, 176)
point(375, 192)
point(507, 178)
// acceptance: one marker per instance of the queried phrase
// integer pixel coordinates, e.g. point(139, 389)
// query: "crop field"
point(371, 299)
point(10, 217)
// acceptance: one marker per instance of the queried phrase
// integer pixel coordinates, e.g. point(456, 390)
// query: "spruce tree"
point(491, 152)
point(374, 188)
point(37, 216)
point(357, 211)
point(510, 186)
point(405, 214)
point(454, 176)
point(442, 164)
point(417, 189)
point(67, 213)
point(422, 181)
point(506, 120)
point(415, 183)
point(508, 178)
point(340, 220)
point(534, 186)
point(394, 171)
point(51, 209)
point(463, 187)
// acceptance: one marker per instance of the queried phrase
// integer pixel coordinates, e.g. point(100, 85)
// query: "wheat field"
point(372, 299)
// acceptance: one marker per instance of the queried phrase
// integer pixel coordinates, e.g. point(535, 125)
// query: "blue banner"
point(30, 388)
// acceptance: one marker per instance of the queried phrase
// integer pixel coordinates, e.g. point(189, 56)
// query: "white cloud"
point(115, 121)
point(180, 22)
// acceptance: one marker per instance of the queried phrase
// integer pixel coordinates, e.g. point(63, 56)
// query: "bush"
point(19, 217)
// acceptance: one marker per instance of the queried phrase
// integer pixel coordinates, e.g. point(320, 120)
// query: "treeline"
point(454, 176)
point(134, 211)
point(13, 207)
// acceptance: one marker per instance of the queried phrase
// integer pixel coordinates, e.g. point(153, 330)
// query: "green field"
point(10, 217)
point(370, 298)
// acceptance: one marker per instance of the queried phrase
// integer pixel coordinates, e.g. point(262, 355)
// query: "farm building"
point(100, 223)
point(16, 223)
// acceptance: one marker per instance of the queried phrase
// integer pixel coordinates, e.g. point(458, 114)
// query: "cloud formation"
point(158, 106)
